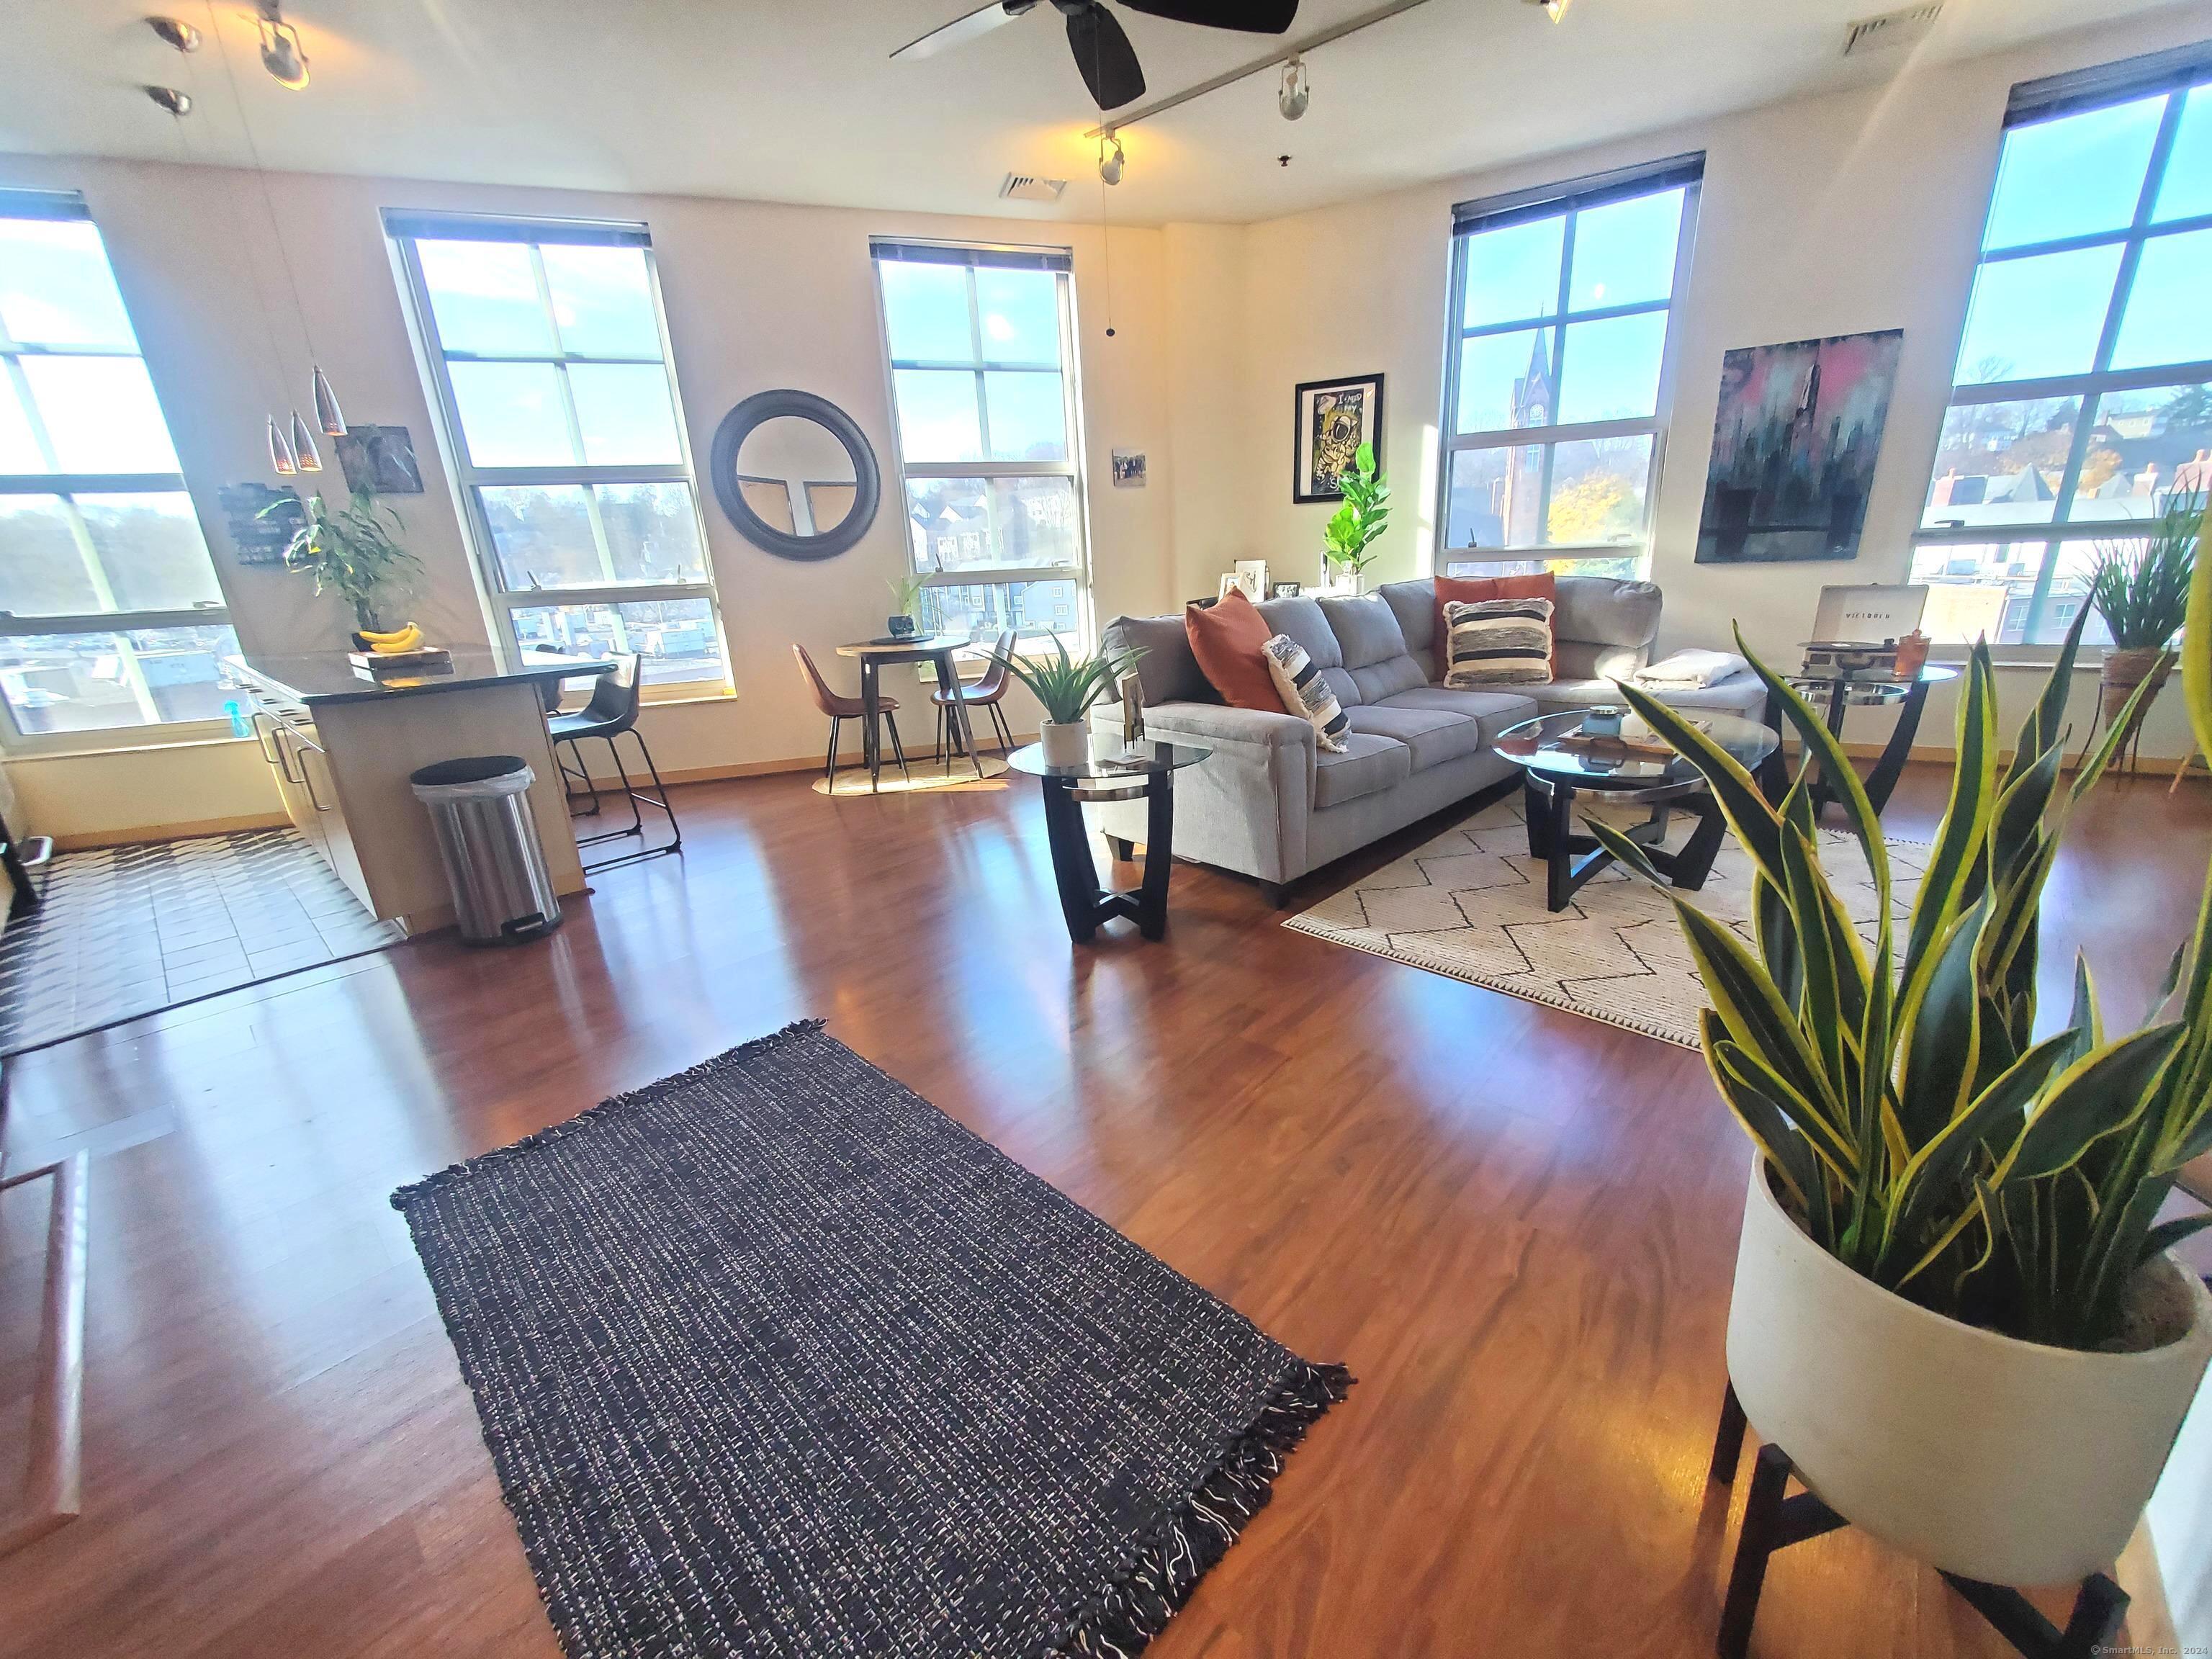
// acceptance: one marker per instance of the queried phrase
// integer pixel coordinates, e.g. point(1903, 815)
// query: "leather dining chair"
point(987, 694)
point(612, 711)
point(842, 708)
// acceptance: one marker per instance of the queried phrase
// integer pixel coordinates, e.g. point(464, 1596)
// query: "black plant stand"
point(1774, 1519)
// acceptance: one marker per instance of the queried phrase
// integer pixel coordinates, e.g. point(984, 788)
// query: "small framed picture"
point(1128, 469)
point(1229, 584)
point(1331, 420)
point(1282, 590)
point(1252, 577)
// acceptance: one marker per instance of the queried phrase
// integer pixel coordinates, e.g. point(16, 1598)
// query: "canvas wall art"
point(1332, 419)
point(1794, 448)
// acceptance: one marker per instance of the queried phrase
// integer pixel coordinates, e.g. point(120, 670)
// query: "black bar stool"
point(611, 712)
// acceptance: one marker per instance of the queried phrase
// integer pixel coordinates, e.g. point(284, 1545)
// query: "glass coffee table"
point(1112, 772)
point(1558, 763)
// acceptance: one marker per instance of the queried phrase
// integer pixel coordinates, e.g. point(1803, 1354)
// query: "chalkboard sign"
point(260, 540)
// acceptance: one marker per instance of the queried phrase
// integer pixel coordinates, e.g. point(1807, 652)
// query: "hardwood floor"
point(1516, 1226)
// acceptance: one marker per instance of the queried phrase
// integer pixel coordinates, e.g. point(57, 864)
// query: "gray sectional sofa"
point(1270, 803)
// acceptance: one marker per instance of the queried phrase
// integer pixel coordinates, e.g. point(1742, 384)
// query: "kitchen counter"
point(341, 745)
point(317, 678)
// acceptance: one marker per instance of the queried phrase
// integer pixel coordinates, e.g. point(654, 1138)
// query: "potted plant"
point(1352, 529)
point(1067, 687)
point(906, 607)
point(352, 553)
point(2142, 596)
point(1954, 1307)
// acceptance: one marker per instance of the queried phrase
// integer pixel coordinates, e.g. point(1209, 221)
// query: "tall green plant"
point(2142, 594)
point(352, 552)
point(1352, 528)
point(1911, 1119)
point(1067, 686)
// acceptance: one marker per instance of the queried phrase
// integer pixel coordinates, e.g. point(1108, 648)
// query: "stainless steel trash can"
point(487, 837)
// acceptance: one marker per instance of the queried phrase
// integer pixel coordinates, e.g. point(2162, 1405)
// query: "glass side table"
point(1146, 771)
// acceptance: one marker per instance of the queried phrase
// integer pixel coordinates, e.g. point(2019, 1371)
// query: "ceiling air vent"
point(1901, 27)
point(1027, 187)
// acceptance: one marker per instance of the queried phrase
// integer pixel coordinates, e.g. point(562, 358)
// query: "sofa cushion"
point(1374, 648)
point(1591, 659)
point(1367, 765)
point(1415, 604)
point(1493, 710)
point(1229, 641)
point(1606, 612)
point(1304, 692)
point(1433, 735)
point(1168, 670)
point(1493, 642)
point(1300, 618)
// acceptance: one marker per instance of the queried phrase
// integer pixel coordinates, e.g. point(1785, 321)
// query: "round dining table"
point(877, 653)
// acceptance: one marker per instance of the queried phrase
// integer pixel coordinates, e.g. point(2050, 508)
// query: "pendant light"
point(282, 54)
point(328, 416)
point(280, 453)
point(310, 458)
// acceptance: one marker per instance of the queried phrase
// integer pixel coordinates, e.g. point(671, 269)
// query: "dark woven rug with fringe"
point(775, 1358)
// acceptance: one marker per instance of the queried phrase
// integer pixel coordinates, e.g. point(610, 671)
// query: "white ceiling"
point(797, 101)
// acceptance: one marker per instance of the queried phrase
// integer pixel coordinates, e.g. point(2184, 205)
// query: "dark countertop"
point(329, 676)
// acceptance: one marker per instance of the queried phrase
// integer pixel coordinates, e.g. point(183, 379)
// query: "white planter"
point(1064, 744)
point(1982, 1455)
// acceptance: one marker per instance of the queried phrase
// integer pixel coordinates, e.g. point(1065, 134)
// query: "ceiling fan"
point(1102, 51)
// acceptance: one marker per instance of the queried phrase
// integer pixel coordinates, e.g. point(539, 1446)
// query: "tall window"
point(551, 364)
point(2083, 400)
point(1556, 370)
point(982, 351)
point(109, 611)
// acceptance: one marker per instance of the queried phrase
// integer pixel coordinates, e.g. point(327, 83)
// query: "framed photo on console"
point(1331, 420)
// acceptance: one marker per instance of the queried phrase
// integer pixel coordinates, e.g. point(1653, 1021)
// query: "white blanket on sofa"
point(1689, 671)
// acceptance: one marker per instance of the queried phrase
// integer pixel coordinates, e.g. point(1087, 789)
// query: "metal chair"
point(612, 711)
point(987, 694)
point(842, 708)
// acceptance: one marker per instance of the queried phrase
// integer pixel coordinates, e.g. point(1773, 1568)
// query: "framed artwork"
point(1228, 585)
point(381, 460)
point(1331, 420)
point(1284, 589)
point(1252, 577)
point(1128, 469)
point(1795, 445)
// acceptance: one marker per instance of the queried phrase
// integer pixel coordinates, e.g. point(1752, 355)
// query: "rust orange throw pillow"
point(1471, 589)
point(1230, 640)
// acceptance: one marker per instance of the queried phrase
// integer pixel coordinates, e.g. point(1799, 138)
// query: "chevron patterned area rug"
point(1470, 904)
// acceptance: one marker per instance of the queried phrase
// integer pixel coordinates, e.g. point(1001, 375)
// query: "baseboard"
point(143, 833)
point(769, 768)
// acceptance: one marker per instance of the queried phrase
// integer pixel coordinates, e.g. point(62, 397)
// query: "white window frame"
point(1071, 407)
point(2032, 104)
point(69, 205)
point(470, 479)
point(1571, 198)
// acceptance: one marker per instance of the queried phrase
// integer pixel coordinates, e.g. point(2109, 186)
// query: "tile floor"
point(126, 930)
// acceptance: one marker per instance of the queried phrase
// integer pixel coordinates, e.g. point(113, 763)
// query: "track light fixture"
point(1111, 161)
point(1298, 90)
point(177, 32)
point(282, 54)
point(170, 99)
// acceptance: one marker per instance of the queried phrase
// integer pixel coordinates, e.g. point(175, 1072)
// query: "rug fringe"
point(415, 1189)
point(1164, 1568)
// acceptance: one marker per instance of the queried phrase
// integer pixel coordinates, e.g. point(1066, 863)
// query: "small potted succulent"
point(1954, 1309)
point(905, 620)
point(1067, 687)
point(2143, 593)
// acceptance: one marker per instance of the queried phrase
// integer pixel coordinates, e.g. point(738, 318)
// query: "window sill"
point(19, 750)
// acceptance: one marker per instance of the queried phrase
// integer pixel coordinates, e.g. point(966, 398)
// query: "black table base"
point(1570, 859)
point(1773, 775)
point(1774, 1519)
point(1082, 900)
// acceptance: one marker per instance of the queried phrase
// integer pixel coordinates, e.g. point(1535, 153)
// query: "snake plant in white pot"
point(1954, 1307)
point(1067, 687)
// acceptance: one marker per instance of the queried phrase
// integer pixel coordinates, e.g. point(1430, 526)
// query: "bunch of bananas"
point(396, 643)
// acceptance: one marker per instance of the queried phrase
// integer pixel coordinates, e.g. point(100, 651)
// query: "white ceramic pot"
point(1064, 745)
point(1982, 1455)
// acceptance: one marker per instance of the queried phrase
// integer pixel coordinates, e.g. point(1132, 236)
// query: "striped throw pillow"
point(1304, 692)
point(1498, 642)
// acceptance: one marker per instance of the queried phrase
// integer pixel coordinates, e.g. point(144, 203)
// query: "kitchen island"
point(342, 744)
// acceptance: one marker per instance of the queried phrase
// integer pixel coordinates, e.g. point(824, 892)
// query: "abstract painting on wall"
point(1794, 448)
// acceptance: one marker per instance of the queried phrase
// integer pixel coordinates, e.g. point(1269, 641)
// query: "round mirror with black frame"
point(795, 474)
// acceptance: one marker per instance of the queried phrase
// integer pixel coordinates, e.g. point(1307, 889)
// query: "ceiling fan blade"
point(961, 30)
point(1104, 55)
point(1247, 16)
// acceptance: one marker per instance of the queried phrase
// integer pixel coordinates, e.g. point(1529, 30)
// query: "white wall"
point(758, 295)
point(1818, 216)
